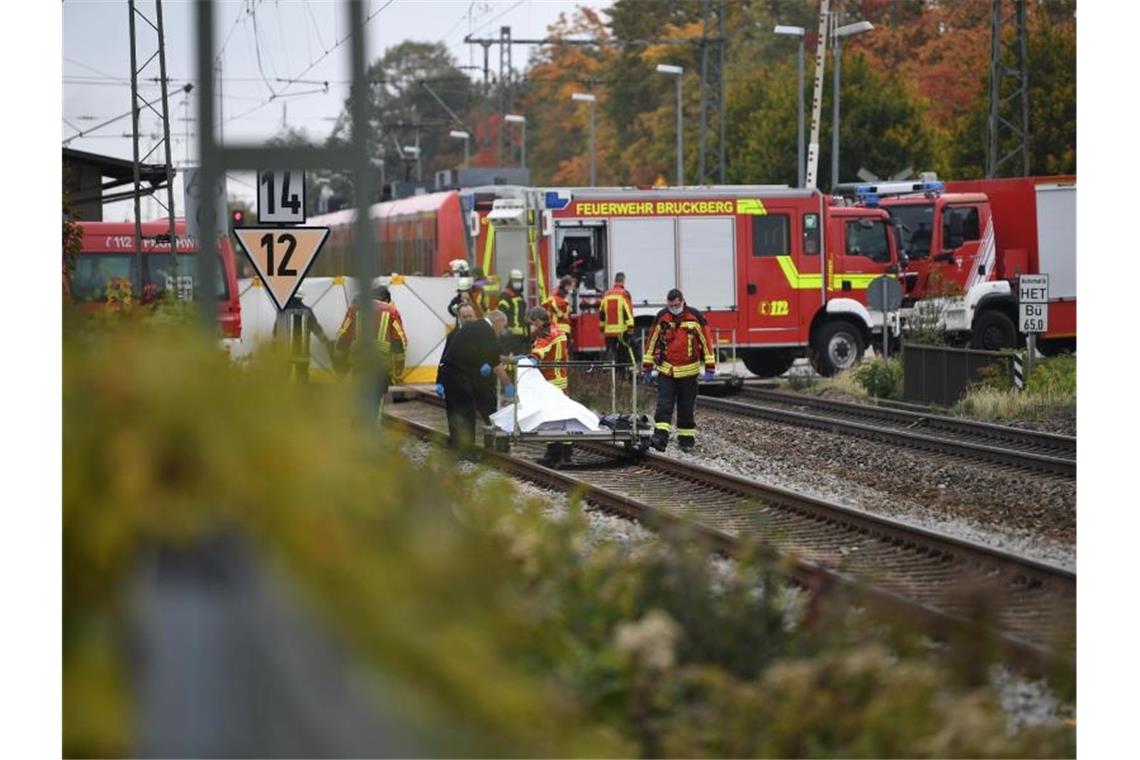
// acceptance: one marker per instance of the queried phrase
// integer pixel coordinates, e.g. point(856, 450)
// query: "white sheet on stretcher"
point(543, 407)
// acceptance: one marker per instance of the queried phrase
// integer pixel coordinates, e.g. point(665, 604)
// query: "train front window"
point(94, 272)
point(159, 270)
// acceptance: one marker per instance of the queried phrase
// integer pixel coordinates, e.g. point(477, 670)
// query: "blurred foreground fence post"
point(216, 159)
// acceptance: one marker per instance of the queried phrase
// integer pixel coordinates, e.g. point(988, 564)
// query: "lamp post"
point(459, 134)
point(413, 151)
point(844, 31)
point(798, 32)
point(514, 118)
point(585, 97)
point(677, 71)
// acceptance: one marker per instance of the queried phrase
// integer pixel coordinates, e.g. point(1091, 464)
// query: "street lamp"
point(514, 118)
point(844, 31)
point(798, 31)
point(459, 134)
point(677, 71)
point(585, 97)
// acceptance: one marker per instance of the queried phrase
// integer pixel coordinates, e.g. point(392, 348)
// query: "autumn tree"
point(558, 127)
point(1052, 139)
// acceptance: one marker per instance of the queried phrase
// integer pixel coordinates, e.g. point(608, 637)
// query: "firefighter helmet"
point(459, 268)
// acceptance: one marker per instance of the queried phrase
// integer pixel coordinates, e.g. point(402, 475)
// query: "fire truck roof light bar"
point(869, 194)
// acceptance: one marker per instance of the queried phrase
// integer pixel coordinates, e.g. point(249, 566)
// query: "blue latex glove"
point(647, 376)
point(709, 375)
point(509, 391)
point(439, 389)
point(485, 370)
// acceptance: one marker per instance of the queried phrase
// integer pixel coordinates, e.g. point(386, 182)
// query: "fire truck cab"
point(967, 242)
point(777, 272)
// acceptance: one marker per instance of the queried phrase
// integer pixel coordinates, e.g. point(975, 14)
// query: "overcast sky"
point(290, 37)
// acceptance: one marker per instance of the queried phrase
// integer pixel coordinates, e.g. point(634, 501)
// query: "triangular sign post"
point(282, 256)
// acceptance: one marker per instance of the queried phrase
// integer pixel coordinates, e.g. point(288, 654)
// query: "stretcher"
point(543, 414)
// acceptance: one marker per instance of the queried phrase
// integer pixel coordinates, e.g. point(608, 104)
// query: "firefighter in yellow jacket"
point(557, 305)
point(615, 318)
point(678, 346)
point(389, 340)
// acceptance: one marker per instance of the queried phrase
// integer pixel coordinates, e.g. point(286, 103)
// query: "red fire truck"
point(108, 253)
point(778, 272)
point(967, 243)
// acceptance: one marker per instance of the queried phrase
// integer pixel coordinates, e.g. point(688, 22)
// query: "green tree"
point(415, 88)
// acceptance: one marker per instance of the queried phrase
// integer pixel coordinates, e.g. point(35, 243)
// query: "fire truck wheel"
point(993, 331)
point(838, 346)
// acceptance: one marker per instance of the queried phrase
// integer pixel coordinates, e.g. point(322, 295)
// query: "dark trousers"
point(460, 402)
point(466, 402)
point(683, 393)
point(619, 351)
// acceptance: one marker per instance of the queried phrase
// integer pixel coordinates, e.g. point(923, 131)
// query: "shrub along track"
point(938, 581)
point(1024, 450)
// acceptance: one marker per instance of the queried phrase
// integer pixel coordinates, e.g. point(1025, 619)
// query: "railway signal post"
point(283, 253)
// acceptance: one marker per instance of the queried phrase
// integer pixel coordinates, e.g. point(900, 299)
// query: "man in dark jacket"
point(466, 377)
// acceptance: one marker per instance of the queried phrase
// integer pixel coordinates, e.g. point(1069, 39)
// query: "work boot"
point(686, 443)
point(660, 440)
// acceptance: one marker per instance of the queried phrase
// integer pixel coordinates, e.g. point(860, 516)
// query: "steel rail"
point(905, 570)
point(976, 440)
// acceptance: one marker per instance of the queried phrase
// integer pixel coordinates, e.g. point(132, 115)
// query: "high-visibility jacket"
point(514, 306)
point(615, 311)
point(390, 340)
point(558, 307)
point(679, 344)
point(551, 346)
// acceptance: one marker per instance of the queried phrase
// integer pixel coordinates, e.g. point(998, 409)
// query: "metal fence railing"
point(941, 374)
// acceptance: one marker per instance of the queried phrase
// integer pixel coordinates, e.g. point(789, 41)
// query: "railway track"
point(937, 581)
point(998, 444)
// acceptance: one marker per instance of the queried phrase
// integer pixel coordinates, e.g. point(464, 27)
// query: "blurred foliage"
point(72, 238)
point(516, 636)
point(882, 378)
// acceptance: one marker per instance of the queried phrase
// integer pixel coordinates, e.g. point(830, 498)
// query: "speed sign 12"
point(281, 197)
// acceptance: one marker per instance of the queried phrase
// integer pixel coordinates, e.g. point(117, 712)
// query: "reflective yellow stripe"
point(795, 279)
point(689, 432)
point(532, 235)
point(750, 206)
point(488, 248)
point(858, 281)
point(681, 371)
point(813, 280)
point(664, 426)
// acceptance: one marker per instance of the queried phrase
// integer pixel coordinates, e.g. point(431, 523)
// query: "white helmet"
point(464, 283)
point(516, 274)
point(459, 267)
